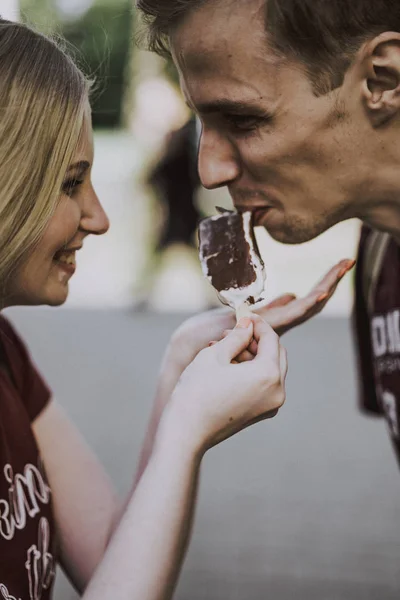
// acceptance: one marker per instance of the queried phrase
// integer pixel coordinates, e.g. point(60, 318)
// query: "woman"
point(56, 502)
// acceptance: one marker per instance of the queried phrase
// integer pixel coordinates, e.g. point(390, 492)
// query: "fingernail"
point(244, 323)
point(346, 270)
point(349, 264)
point(322, 297)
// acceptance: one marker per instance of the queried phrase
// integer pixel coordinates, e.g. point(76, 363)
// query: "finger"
point(248, 354)
point(319, 296)
point(237, 341)
point(303, 310)
point(312, 303)
point(245, 356)
point(268, 341)
point(333, 277)
point(281, 301)
point(253, 348)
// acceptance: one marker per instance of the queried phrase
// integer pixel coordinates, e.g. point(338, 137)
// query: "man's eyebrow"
point(82, 165)
point(227, 105)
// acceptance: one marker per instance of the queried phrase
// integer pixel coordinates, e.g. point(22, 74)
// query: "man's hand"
point(282, 314)
point(288, 311)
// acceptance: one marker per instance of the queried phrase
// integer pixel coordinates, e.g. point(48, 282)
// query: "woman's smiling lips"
point(69, 268)
point(66, 260)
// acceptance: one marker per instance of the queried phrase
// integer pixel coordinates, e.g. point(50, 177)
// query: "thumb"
point(237, 340)
point(281, 301)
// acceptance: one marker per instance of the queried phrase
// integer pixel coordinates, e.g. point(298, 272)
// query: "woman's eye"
point(70, 186)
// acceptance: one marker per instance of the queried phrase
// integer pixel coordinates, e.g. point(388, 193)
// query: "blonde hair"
point(43, 101)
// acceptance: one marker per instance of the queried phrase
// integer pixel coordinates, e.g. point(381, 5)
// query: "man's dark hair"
point(322, 34)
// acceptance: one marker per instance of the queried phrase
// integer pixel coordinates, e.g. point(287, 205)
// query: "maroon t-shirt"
point(377, 327)
point(27, 528)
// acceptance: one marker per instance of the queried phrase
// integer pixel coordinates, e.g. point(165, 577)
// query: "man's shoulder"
point(375, 250)
point(371, 240)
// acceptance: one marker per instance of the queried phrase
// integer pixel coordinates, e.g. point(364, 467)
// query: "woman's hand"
point(215, 399)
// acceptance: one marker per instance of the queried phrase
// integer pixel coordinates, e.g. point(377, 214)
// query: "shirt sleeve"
point(367, 397)
point(31, 387)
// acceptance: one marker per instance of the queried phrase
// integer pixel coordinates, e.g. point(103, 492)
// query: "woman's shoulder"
point(10, 338)
point(28, 381)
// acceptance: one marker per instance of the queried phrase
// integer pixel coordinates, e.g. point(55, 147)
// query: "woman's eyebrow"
point(82, 166)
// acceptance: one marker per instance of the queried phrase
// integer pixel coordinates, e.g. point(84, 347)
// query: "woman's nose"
point(94, 218)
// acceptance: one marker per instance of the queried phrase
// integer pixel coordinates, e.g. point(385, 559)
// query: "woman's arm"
point(87, 508)
point(85, 502)
point(213, 401)
point(194, 335)
point(144, 557)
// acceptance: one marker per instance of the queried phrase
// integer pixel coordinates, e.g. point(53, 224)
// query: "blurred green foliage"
point(100, 41)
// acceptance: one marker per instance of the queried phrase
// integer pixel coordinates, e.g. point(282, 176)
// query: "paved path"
point(304, 507)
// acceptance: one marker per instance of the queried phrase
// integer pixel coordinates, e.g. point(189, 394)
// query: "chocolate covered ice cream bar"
point(231, 260)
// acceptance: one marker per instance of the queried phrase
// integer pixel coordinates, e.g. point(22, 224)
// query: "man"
point(300, 106)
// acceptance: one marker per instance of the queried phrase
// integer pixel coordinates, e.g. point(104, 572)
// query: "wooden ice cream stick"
point(243, 311)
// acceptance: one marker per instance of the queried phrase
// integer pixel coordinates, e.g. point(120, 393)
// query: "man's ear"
point(381, 87)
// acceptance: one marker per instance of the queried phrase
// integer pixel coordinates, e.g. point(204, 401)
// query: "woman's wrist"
point(179, 353)
point(174, 436)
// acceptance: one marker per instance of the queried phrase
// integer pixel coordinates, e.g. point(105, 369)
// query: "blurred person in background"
point(300, 108)
point(175, 181)
point(57, 505)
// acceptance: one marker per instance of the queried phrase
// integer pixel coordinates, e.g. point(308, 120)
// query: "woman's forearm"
point(145, 554)
point(170, 373)
point(169, 376)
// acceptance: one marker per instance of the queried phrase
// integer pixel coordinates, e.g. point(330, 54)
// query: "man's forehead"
point(213, 82)
point(221, 29)
point(219, 55)
point(224, 95)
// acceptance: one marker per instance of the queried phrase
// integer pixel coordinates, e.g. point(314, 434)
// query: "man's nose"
point(94, 219)
point(218, 161)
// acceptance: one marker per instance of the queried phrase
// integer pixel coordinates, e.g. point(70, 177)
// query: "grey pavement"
point(304, 507)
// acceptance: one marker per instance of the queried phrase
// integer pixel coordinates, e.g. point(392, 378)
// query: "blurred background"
point(305, 507)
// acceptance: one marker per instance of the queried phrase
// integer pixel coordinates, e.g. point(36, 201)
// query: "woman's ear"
point(381, 85)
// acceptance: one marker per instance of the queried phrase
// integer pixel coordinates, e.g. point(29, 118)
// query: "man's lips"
point(259, 215)
point(258, 212)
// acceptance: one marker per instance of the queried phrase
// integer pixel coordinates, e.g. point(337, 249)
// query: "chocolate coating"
point(226, 252)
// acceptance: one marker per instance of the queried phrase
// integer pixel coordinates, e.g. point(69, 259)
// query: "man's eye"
point(244, 122)
point(70, 186)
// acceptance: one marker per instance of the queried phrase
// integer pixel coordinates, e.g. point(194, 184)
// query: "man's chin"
point(290, 236)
